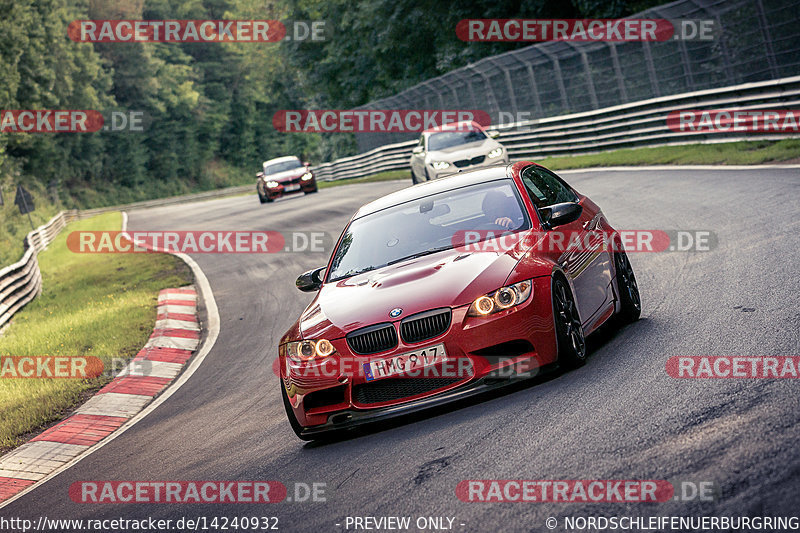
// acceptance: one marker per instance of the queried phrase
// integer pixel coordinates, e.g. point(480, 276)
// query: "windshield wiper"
point(419, 254)
point(354, 272)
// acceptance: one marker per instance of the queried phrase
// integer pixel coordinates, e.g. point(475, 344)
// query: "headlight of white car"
point(501, 299)
point(497, 152)
point(272, 184)
point(440, 165)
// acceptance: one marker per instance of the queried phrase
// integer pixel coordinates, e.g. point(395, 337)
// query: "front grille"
point(427, 325)
point(372, 339)
point(387, 390)
point(477, 160)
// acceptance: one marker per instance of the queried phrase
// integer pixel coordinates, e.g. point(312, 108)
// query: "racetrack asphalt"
point(618, 417)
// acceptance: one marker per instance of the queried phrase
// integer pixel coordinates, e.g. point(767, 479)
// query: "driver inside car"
point(499, 208)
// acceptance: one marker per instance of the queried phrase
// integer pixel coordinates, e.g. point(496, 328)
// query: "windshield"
point(427, 225)
point(283, 166)
point(447, 139)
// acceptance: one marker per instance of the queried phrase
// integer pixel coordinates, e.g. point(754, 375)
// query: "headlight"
point(497, 152)
point(307, 176)
point(502, 298)
point(440, 165)
point(301, 351)
point(272, 184)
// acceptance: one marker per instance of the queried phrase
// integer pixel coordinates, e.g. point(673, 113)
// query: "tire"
point(261, 198)
point(414, 179)
point(629, 298)
point(569, 332)
point(296, 427)
point(315, 189)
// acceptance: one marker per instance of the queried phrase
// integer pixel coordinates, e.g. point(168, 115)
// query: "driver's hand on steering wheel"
point(504, 221)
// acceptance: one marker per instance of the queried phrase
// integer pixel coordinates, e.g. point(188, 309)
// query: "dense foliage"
point(208, 107)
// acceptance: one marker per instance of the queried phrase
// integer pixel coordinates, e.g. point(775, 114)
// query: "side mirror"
point(306, 164)
point(417, 150)
point(560, 214)
point(310, 281)
point(494, 134)
point(259, 175)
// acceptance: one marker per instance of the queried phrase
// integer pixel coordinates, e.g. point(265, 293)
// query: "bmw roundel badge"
point(396, 312)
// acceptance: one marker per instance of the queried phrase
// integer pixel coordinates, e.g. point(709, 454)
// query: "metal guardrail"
point(22, 282)
point(636, 124)
point(752, 41)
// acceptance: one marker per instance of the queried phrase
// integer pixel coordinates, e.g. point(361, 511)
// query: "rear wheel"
point(569, 332)
point(629, 299)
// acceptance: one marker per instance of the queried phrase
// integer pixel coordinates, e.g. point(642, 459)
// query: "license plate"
point(290, 188)
point(405, 362)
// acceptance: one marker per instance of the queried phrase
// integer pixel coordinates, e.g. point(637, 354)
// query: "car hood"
point(446, 279)
point(286, 175)
point(463, 151)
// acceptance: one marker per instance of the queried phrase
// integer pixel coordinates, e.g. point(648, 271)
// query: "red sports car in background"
point(449, 288)
point(284, 175)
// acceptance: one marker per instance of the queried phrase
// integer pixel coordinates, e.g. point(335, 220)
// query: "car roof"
point(451, 126)
point(456, 181)
point(281, 159)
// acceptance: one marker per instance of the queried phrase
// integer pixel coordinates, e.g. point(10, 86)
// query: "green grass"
point(101, 305)
point(389, 175)
point(735, 153)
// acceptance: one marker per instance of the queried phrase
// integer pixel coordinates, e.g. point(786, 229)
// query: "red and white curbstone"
point(175, 338)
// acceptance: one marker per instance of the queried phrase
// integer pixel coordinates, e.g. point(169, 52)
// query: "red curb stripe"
point(182, 333)
point(177, 291)
point(82, 429)
point(177, 316)
point(142, 385)
point(10, 486)
point(166, 355)
point(188, 303)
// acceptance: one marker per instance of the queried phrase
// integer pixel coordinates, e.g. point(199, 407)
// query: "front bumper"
point(453, 169)
point(515, 342)
point(281, 190)
point(353, 418)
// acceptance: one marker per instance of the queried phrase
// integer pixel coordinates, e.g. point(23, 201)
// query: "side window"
point(545, 188)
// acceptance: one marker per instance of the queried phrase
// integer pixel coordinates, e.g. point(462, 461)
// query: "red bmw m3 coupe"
point(449, 288)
